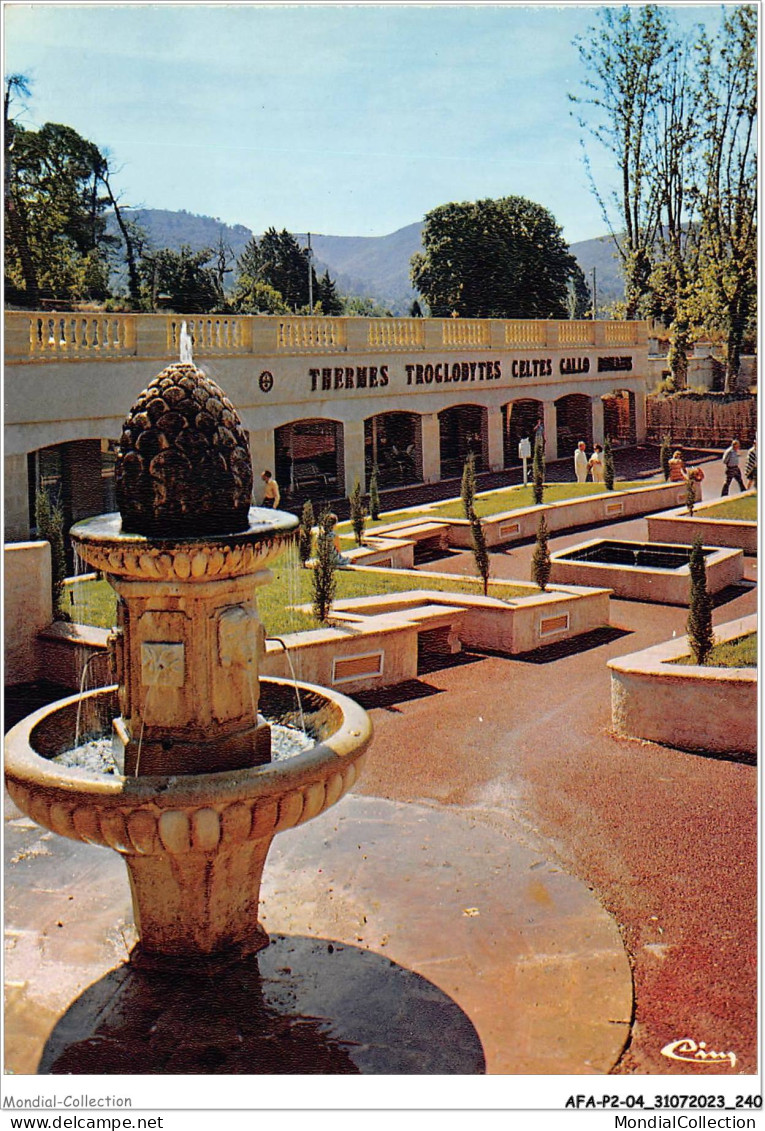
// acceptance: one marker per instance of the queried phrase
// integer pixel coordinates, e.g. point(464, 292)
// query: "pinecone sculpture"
point(183, 468)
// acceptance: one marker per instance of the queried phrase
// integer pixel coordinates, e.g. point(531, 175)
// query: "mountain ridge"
point(375, 267)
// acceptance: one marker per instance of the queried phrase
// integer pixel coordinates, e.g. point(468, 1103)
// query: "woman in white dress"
point(596, 464)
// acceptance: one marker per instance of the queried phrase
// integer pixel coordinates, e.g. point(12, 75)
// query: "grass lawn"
point(488, 503)
point(745, 509)
point(95, 601)
point(738, 653)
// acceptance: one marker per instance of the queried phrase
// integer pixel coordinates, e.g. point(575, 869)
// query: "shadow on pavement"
point(302, 1005)
point(572, 646)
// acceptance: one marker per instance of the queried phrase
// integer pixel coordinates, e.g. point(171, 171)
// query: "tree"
point(49, 520)
point(326, 294)
point(467, 490)
point(625, 58)
point(324, 580)
point(538, 485)
point(699, 623)
point(184, 277)
point(690, 493)
point(728, 194)
point(305, 532)
point(608, 464)
point(278, 260)
point(253, 297)
point(540, 561)
point(415, 310)
point(501, 258)
point(17, 85)
point(358, 512)
point(480, 550)
point(58, 247)
point(374, 496)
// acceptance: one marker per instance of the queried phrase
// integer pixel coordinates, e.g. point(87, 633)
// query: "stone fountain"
point(197, 800)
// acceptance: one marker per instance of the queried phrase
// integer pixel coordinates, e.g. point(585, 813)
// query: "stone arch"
point(308, 457)
point(393, 443)
point(619, 419)
point(518, 421)
point(574, 422)
point(463, 428)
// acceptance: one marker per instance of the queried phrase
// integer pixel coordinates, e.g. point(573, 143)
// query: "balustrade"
point(81, 335)
point(466, 332)
point(54, 336)
point(396, 333)
point(326, 335)
point(526, 332)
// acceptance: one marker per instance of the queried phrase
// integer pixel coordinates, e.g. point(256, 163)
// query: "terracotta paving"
point(503, 862)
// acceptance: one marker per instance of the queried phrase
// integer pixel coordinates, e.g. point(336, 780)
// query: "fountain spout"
point(186, 343)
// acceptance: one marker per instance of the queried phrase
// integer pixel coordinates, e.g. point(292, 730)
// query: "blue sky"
point(344, 119)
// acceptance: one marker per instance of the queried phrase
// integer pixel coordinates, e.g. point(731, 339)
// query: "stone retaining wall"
point(679, 526)
point(683, 705)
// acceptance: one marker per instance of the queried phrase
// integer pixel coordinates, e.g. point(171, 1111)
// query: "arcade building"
point(325, 400)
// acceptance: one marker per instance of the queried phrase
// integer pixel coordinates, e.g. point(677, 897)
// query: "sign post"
point(524, 453)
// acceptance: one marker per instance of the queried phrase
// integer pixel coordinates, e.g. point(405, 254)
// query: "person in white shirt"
point(580, 462)
point(597, 466)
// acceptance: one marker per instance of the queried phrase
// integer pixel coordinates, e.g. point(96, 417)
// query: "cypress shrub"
point(480, 551)
point(699, 623)
point(467, 491)
point(539, 472)
point(324, 580)
point(540, 562)
point(358, 512)
point(305, 532)
point(374, 496)
point(690, 494)
point(608, 464)
point(49, 520)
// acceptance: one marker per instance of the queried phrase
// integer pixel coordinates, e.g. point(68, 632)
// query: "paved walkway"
point(474, 906)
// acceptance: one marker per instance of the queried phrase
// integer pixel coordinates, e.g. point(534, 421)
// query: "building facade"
point(325, 400)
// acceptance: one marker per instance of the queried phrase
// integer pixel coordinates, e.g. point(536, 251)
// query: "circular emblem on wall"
point(266, 381)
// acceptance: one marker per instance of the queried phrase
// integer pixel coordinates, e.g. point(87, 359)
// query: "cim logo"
point(692, 1053)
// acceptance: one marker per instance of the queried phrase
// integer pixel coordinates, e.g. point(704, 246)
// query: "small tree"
point(324, 580)
point(665, 454)
point(480, 550)
point(467, 491)
point(305, 532)
point(539, 472)
point(374, 496)
point(358, 512)
point(608, 464)
point(540, 562)
point(699, 623)
point(690, 493)
point(49, 521)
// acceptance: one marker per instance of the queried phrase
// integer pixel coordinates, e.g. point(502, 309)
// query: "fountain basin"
point(643, 571)
point(194, 844)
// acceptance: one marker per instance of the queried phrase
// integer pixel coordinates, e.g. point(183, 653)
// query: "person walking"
point(596, 465)
point(271, 494)
point(677, 472)
point(750, 471)
point(581, 463)
point(731, 459)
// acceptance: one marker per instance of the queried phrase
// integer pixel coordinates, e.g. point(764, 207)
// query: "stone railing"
point(38, 336)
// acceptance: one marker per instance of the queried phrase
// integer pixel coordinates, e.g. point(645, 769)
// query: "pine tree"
point(358, 512)
point(324, 580)
point(480, 550)
point(539, 472)
point(540, 562)
point(374, 496)
point(608, 464)
point(49, 521)
point(305, 532)
point(665, 454)
point(467, 491)
point(699, 623)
